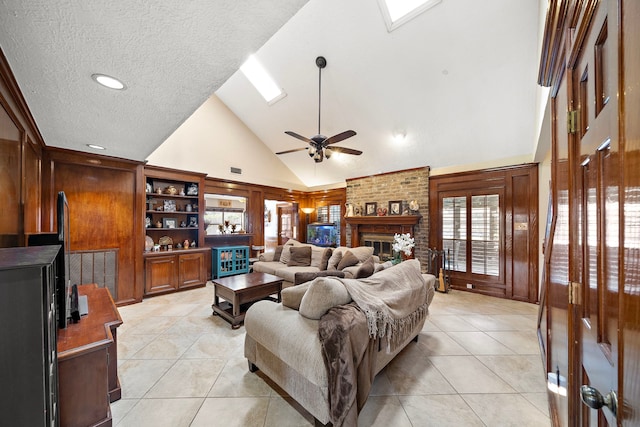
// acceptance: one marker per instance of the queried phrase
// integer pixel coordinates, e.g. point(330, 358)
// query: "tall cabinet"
point(28, 355)
point(175, 255)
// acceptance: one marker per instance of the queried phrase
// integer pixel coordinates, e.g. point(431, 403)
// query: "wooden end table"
point(240, 291)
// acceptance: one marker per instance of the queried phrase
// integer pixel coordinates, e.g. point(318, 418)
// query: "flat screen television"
point(323, 234)
point(61, 237)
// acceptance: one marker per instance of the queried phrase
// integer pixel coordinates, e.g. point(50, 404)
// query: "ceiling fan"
point(319, 144)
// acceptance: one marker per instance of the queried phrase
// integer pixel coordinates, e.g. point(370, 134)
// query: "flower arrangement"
point(403, 243)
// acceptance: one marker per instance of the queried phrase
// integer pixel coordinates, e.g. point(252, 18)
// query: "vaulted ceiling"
point(459, 80)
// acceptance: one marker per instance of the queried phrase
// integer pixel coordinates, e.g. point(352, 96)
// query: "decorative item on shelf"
point(193, 244)
point(233, 228)
point(402, 246)
point(395, 207)
point(178, 245)
point(149, 188)
point(169, 205)
point(188, 207)
point(192, 190)
point(158, 190)
point(193, 221)
point(186, 243)
point(169, 223)
point(159, 209)
point(156, 248)
point(148, 243)
point(349, 210)
point(382, 211)
point(147, 222)
point(221, 228)
point(370, 208)
point(171, 190)
point(414, 206)
point(182, 191)
point(158, 224)
point(194, 207)
point(183, 224)
point(165, 241)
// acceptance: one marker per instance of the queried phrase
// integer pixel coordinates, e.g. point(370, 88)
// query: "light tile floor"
point(476, 363)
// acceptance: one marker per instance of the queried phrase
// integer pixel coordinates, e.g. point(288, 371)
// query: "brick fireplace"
point(404, 186)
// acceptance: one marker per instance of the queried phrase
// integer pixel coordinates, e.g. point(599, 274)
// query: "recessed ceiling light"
point(96, 147)
point(108, 81)
point(261, 80)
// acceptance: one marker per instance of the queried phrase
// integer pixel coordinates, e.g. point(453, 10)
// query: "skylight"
point(398, 12)
point(261, 80)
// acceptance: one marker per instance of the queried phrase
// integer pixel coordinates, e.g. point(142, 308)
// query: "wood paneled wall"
point(20, 155)
point(106, 205)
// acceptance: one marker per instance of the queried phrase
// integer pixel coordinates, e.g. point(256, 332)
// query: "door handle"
point(595, 400)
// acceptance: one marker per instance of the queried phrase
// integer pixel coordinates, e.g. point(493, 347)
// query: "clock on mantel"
point(387, 224)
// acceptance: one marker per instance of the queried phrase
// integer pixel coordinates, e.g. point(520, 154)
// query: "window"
point(472, 222)
point(224, 214)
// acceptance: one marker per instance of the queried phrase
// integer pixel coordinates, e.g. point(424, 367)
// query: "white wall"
point(230, 144)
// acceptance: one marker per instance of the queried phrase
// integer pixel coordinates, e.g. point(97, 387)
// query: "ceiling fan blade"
point(300, 137)
point(293, 151)
point(346, 150)
point(339, 137)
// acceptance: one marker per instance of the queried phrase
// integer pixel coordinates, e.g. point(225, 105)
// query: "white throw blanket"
point(394, 300)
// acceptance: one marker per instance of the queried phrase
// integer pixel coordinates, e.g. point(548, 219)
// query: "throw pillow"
point(319, 257)
point(278, 253)
point(323, 293)
point(334, 260)
point(348, 259)
point(292, 295)
point(366, 269)
point(362, 252)
point(300, 256)
point(325, 259)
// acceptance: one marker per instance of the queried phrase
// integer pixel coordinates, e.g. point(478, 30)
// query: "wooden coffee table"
point(240, 291)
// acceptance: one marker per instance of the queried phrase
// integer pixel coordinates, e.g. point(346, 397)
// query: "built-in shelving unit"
point(175, 253)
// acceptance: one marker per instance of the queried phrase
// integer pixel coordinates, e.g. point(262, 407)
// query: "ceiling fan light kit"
point(319, 144)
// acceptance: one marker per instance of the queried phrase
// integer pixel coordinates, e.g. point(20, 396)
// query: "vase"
point(397, 258)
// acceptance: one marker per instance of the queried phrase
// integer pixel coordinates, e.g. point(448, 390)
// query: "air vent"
point(236, 170)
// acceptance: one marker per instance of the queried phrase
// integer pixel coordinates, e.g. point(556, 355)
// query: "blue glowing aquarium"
point(323, 234)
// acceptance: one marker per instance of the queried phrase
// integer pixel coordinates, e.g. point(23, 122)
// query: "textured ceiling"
point(172, 55)
point(459, 80)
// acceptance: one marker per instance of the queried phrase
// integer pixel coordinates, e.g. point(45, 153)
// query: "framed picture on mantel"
point(370, 208)
point(395, 207)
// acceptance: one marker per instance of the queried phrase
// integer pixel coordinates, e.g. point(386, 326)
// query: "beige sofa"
point(291, 261)
point(284, 344)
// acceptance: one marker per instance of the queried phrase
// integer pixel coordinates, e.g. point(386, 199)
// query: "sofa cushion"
point(307, 276)
point(323, 293)
point(288, 274)
point(366, 269)
point(348, 259)
point(300, 256)
point(320, 257)
point(269, 267)
point(292, 296)
point(361, 252)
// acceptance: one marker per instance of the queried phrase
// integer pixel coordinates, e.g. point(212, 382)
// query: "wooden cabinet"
point(174, 222)
point(88, 362)
point(171, 271)
point(229, 260)
point(28, 365)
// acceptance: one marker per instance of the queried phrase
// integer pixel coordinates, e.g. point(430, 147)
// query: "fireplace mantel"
point(388, 224)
